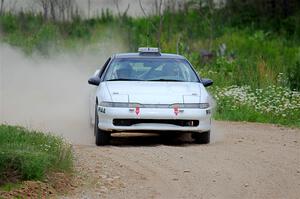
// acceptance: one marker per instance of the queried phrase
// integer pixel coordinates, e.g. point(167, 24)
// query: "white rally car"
point(150, 91)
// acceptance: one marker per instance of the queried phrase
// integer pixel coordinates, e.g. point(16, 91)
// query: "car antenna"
point(148, 32)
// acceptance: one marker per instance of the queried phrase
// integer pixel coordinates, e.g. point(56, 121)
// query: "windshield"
point(150, 69)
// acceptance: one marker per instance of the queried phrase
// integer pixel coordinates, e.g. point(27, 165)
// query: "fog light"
point(190, 123)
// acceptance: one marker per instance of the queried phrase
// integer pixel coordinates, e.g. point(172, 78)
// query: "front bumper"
point(108, 114)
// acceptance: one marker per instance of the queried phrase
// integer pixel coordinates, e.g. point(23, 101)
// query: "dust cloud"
point(215, 135)
point(50, 94)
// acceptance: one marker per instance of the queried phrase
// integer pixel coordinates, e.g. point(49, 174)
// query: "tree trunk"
point(286, 8)
point(45, 8)
point(273, 7)
point(89, 9)
point(1, 7)
point(52, 10)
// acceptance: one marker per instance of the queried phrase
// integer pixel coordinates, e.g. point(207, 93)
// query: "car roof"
point(138, 55)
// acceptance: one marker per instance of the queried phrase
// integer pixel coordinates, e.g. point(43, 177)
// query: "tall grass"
point(253, 59)
point(29, 155)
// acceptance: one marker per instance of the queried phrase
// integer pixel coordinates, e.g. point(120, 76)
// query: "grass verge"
point(274, 104)
point(30, 155)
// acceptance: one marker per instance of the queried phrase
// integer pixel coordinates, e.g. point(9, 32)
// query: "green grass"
point(257, 58)
point(242, 113)
point(10, 186)
point(29, 155)
point(274, 104)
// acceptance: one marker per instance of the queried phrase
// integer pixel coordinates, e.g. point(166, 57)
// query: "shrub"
point(294, 76)
point(8, 23)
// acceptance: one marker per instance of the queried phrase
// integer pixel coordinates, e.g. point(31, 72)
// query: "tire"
point(202, 138)
point(102, 137)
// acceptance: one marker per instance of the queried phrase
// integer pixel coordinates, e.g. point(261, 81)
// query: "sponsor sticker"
point(176, 110)
point(101, 109)
point(137, 110)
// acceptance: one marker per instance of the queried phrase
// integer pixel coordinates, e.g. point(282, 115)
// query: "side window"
point(104, 67)
point(113, 73)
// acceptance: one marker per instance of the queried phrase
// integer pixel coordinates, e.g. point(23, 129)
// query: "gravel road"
point(245, 160)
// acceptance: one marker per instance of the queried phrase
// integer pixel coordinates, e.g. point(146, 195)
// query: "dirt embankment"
point(245, 161)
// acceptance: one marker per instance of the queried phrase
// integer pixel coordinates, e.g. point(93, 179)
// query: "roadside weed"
point(29, 155)
point(272, 104)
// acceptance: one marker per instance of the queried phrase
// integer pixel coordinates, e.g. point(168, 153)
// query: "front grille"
point(130, 122)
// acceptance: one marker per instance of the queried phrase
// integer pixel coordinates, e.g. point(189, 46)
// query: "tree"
point(57, 9)
point(89, 9)
point(116, 2)
point(1, 7)
point(265, 8)
point(45, 6)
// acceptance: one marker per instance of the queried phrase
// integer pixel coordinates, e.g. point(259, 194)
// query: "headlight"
point(115, 104)
point(195, 105)
point(204, 105)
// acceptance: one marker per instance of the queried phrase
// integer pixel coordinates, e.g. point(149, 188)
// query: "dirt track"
point(245, 161)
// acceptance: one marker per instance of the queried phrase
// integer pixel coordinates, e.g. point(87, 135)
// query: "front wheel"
point(202, 138)
point(102, 137)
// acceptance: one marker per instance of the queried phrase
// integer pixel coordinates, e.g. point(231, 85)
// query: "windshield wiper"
point(124, 79)
point(166, 80)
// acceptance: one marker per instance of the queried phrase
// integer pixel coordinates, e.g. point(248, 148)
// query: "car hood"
point(154, 92)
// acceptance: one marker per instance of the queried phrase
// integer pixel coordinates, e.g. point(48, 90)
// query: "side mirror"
point(207, 82)
point(94, 81)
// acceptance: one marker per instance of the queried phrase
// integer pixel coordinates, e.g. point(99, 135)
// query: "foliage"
point(253, 59)
point(29, 155)
point(294, 74)
point(273, 104)
point(281, 16)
